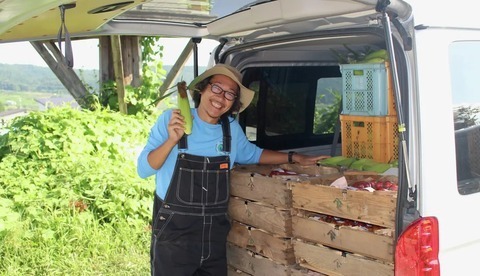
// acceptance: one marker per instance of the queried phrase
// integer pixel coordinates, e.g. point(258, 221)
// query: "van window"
point(327, 105)
point(465, 69)
point(294, 106)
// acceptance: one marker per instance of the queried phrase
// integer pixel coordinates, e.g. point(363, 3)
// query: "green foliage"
point(69, 192)
point(467, 115)
point(142, 99)
point(150, 50)
point(326, 114)
point(350, 56)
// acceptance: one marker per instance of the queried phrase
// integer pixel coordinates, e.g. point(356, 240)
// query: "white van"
point(290, 52)
point(292, 47)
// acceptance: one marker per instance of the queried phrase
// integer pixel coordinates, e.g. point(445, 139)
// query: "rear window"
point(465, 69)
point(293, 106)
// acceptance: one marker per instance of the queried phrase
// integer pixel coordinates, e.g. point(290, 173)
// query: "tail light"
point(417, 249)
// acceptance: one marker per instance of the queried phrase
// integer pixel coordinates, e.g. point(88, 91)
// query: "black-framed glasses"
point(218, 90)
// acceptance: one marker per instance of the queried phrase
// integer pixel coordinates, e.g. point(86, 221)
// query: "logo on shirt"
point(219, 147)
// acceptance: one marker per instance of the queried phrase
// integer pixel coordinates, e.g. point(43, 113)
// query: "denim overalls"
point(190, 225)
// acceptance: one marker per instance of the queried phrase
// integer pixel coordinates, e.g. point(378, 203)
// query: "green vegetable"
point(346, 162)
point(378, 167)
point(382, 53)
point(361, 163)
point(184, 106)
point(332, 161)
point(374, 60)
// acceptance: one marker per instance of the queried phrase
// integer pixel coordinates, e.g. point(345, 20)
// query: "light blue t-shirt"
point(206, 140)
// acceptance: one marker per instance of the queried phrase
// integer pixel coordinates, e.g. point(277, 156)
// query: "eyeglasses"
point(218, 90)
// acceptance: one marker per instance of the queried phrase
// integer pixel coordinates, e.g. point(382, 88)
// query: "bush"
point(70, 198)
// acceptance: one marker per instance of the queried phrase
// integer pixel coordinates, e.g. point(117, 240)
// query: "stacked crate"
point(342, 231)
point(302, 225)
point(368, 120)
point(260, 208)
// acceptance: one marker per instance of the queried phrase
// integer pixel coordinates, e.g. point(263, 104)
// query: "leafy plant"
point(350, 55)
point(145, 97)
point(467, 115)
point(69, 192)
point(326, 114)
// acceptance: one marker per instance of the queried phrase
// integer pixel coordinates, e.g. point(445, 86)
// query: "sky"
point(86, 52)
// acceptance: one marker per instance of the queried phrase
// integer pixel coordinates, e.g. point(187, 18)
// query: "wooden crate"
point(303, 271)
point(311, 170)
point(239, 259)
point(232, 271)
point(275, 220)
point(376, 208)
point(334, 262)
point(261, 242)
point(253, 264)
point(253, 183)
point(377, 244)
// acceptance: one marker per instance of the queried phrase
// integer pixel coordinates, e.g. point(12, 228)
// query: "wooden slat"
point(246, 261)
point(232, 271)
point(376, 208)
point(175, 71)
point(312, 170)
point(67, 76)
point(266, 217)
point(334, 262)
point(344, 238)
point(247, 184)
point(278, 249)
point(119, 74)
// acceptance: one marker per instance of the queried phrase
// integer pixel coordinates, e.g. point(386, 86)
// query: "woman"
point(190, 222)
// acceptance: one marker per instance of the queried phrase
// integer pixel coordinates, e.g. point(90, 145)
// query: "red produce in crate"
point(379, 185)
point(280, 171)
point(387, 185)
point(361, 184)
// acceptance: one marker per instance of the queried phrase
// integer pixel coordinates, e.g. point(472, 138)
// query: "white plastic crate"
point(366, 91)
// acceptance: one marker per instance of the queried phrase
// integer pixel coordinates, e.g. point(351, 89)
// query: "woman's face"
point(213, 105)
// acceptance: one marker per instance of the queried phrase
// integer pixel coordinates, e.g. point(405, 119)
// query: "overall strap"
point(182, 144)
point(227, 138)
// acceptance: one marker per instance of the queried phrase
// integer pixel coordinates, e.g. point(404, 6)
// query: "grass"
point(76, 246)
point(67, 209)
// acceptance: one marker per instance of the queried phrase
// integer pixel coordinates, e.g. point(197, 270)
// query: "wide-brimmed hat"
point(246, 95)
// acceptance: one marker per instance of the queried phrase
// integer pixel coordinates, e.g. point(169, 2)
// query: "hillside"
point(19, 77)
point(23, 78)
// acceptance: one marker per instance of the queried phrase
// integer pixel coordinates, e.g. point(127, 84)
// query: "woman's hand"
point(176, 126)
point(276, 157)
point(305, 160)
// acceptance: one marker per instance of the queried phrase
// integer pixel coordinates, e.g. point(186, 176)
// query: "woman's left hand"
point(305, 160)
